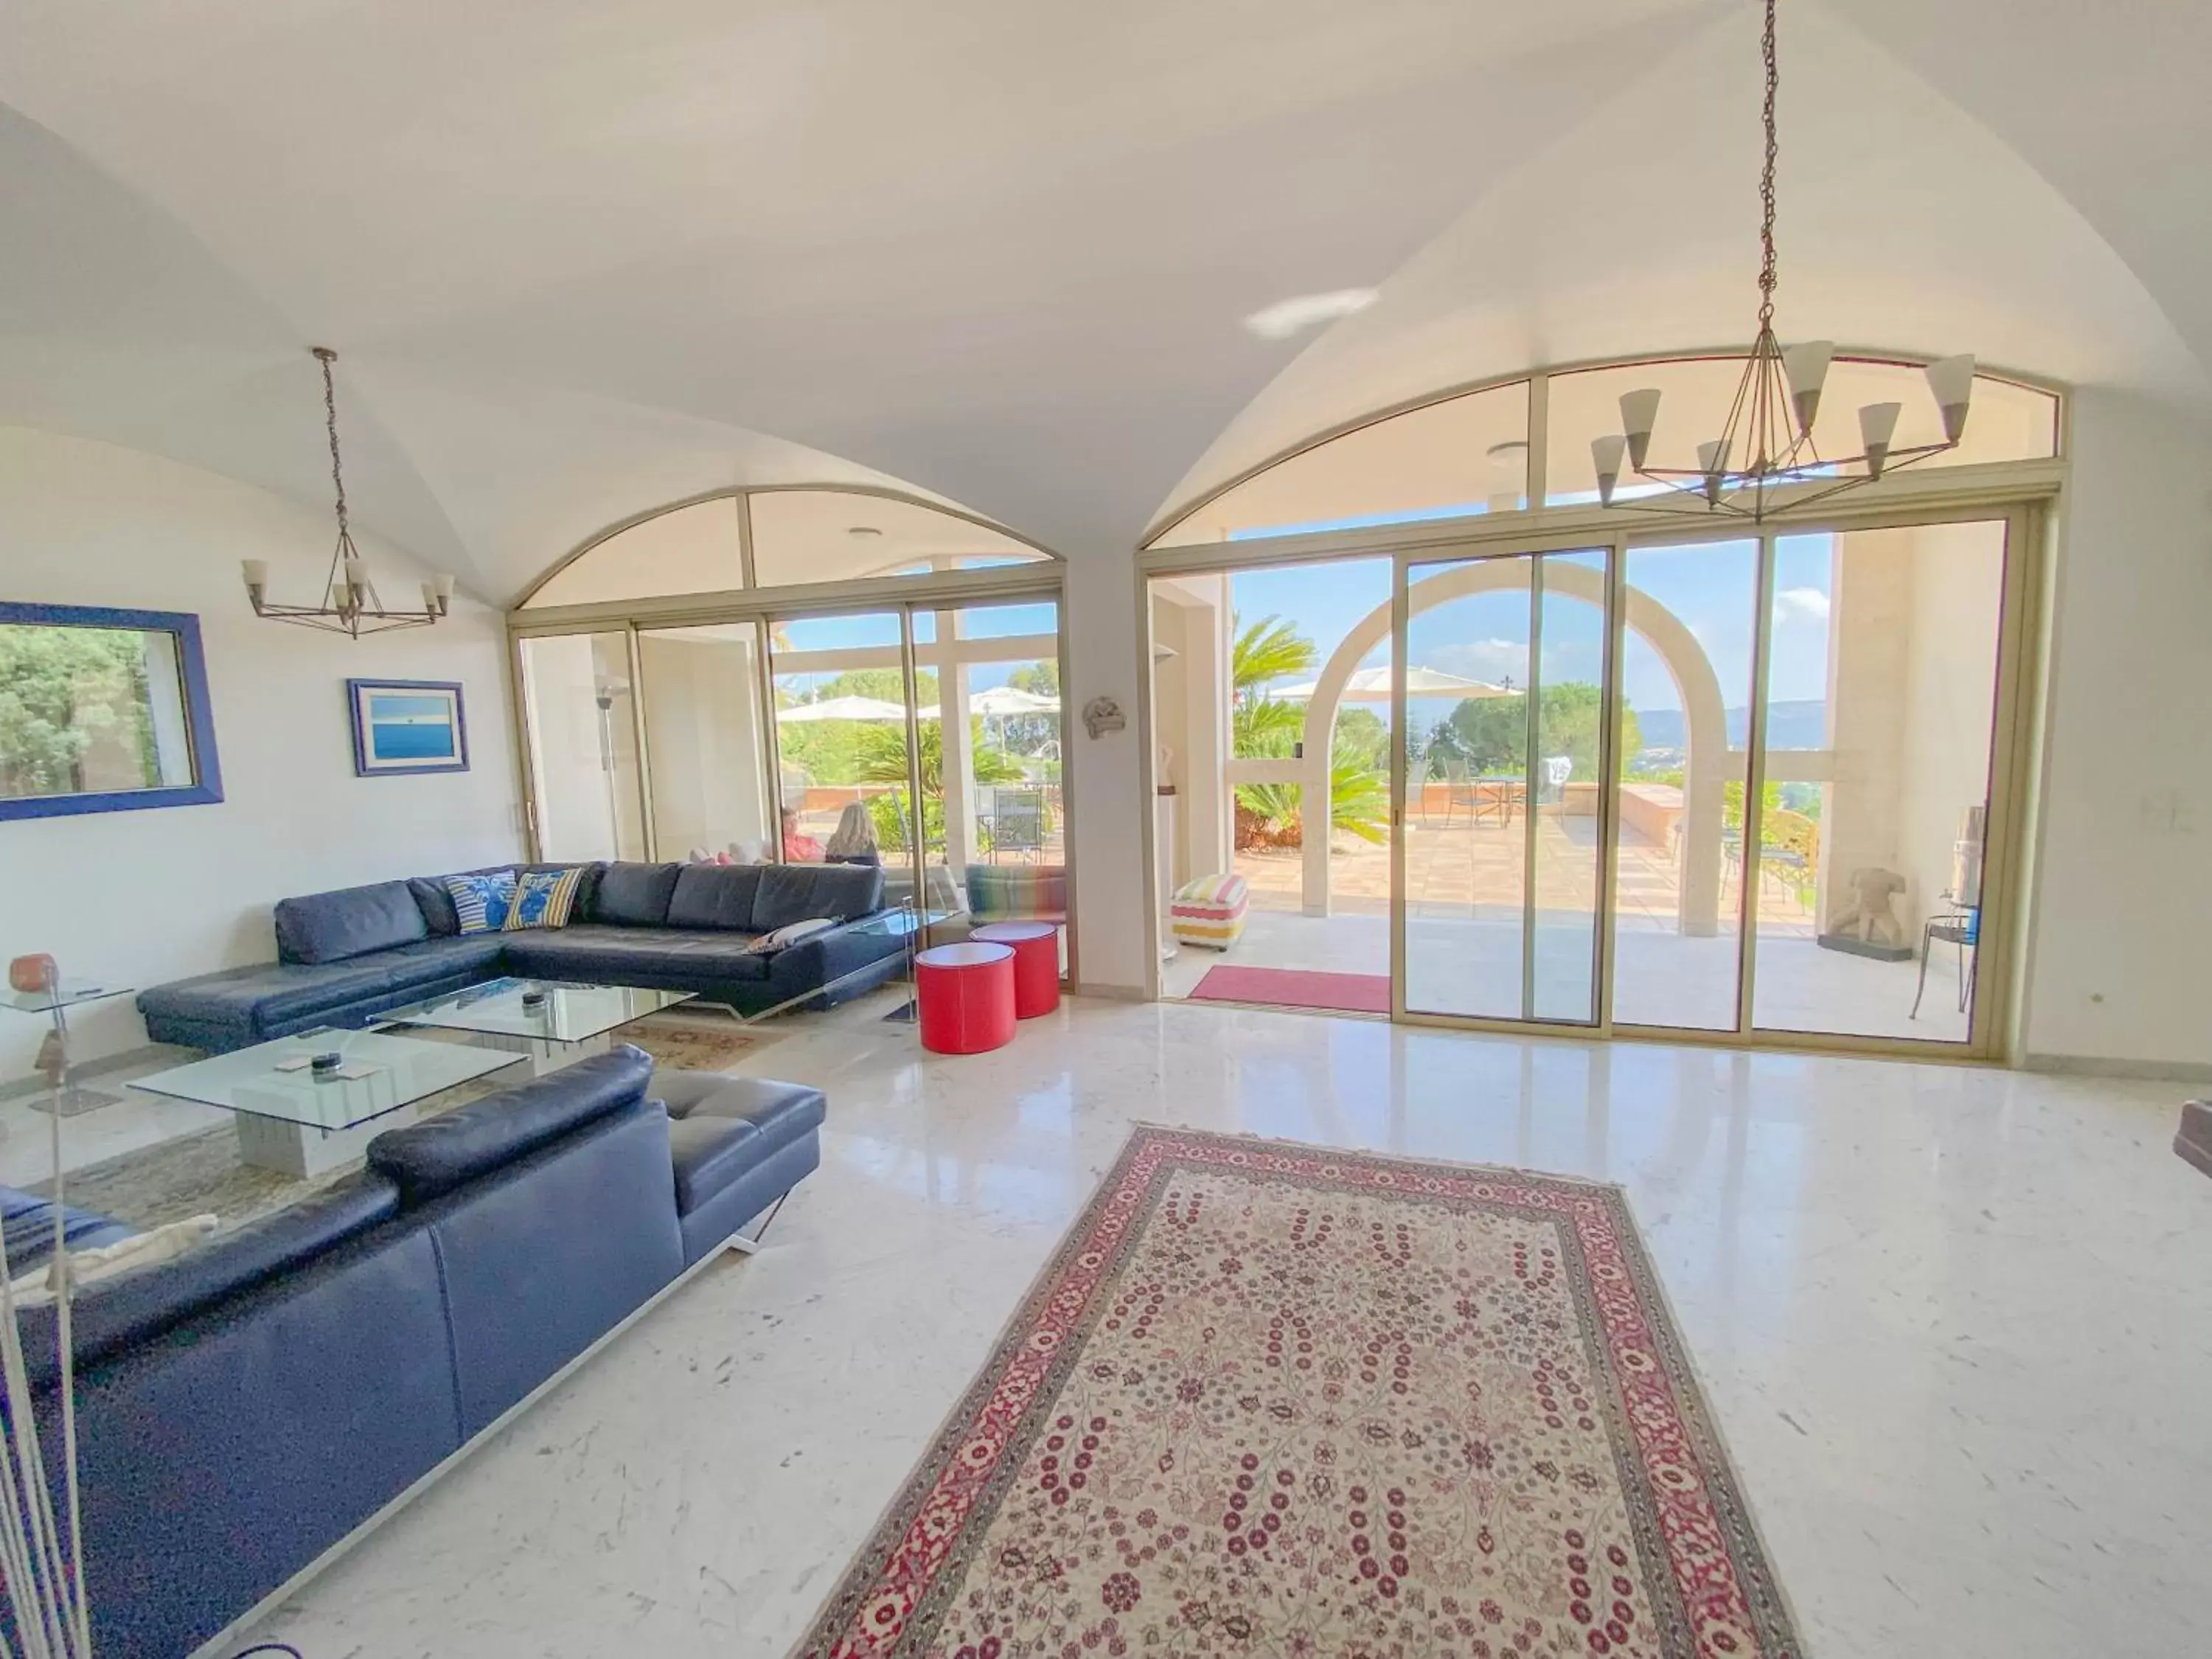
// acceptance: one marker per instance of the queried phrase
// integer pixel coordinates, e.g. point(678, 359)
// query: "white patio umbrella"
point(843, 708)
point(1373, 685)
point(1003, 700)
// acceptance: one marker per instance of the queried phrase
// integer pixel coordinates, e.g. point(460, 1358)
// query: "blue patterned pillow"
point(482, 901)
point(542, 898)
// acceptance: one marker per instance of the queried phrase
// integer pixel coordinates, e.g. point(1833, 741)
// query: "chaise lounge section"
point(345, 957)
point(246, 1407)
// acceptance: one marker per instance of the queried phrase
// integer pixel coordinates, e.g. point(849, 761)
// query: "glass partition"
point(581, 726)
point(707, 750)
point(1465, 454)
point(689, 549)
point(1879, 723)
point(1677, 871)
point(831, 535)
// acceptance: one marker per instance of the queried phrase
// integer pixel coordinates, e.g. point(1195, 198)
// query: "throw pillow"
point(36, 1288)
point(790, 933)
point(542, 898)
point(482, 901)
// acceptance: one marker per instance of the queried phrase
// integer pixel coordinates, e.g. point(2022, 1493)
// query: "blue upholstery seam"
point(452, 1342)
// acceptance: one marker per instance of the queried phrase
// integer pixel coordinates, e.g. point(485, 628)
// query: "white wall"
point(145, 896)
point(2121, 960)
point(1106, 824)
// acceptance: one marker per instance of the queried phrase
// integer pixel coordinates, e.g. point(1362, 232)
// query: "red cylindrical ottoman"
point(1037, 962)
point(967, 997)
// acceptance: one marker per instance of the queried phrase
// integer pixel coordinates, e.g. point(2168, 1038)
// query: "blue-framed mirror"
point(103, 710)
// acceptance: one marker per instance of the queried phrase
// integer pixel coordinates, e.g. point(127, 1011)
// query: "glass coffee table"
point(549, 1023)
point(291, 1119)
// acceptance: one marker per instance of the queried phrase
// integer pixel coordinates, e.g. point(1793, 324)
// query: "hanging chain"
point(331, 418)
point(1766, 181)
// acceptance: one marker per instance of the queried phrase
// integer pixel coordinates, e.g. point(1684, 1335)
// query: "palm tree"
point(1264, 652)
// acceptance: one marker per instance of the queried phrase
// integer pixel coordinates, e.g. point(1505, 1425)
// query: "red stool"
point(1037, 962)
point(967, 997)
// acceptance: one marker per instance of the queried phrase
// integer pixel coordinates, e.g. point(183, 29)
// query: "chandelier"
point(1765, 445)
point(351, 605)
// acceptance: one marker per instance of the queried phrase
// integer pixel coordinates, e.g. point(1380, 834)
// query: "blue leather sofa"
point(246, 1407)
point(344, 957)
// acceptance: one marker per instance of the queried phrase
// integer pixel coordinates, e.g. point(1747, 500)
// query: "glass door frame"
point(1016, 586)
point(1401, 588)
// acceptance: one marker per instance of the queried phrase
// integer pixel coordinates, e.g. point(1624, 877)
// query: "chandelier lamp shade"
point(350, 604)
point(1766, 444)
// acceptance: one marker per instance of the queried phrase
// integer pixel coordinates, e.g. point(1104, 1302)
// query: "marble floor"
point(1955, 1323)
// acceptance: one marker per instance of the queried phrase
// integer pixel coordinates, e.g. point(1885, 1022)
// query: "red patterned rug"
point(1295, 1403)
point(1296, 987)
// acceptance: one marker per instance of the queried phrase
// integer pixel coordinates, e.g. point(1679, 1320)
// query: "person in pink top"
point(798, 846)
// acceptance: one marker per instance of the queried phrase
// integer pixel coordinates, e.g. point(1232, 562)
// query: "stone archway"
point(1699, 856)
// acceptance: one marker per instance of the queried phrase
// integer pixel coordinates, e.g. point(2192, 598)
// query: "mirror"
point(102, 711)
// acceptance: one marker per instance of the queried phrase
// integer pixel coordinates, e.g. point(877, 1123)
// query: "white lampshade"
point(443, 583)
point(1951, 380)
point(1713, 461)
point(1806, 364)
point(256, 572)
point(1639, 411)
point(1607, 453)
point(429, 595)
point(1877, 426)
point(357, 572)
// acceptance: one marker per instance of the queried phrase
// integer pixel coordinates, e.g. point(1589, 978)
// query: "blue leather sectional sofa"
point(344, 957)
point(247, 1406)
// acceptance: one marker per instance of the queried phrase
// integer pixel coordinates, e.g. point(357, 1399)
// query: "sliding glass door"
point(1736, 787)
point(1505, 690)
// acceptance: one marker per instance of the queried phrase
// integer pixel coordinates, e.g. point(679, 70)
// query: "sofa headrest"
point(116, 1313)
point(635, 895)
point(426, 1159)
point(801, 892)
point(715, 895)
point(349, 922)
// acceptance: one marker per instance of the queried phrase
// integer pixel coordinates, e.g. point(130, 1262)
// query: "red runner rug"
point(1296, 987)
point(1284, 1401)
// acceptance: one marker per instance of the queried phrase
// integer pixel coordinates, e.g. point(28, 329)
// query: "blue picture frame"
point(402, 728)
point(195, 715)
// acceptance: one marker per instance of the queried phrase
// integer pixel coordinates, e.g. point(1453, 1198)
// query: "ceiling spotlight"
point(1511, 450)
point(863, 530)
point(1303, 311)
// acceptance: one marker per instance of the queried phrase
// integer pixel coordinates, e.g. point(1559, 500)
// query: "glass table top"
point(569, 1013)
point(68, 994)
point(381, 1073)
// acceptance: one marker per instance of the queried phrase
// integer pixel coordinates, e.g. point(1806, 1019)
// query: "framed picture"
point(103, 710)
point(407, 725)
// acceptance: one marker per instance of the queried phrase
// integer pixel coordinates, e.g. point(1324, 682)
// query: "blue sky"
point(1708, 585)
point(882, 627)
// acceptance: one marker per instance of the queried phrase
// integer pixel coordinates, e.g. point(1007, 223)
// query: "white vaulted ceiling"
point(582, 258)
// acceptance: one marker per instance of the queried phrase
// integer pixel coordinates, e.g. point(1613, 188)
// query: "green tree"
point(1039, 679)
point(1490, 734)
point(882, 759)
point(62, 691)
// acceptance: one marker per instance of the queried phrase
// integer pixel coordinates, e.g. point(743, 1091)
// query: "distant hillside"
point(1798, 725)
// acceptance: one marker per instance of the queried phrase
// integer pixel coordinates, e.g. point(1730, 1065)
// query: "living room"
point(631, 1083)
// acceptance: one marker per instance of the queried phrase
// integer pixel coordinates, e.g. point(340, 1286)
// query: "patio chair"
point(1459, 789)
point(1788, 842)
point(1499, 797)
point(1016, 822)
point(1958, 924)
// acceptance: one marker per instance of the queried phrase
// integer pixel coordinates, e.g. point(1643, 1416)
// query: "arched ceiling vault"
point(580, 259)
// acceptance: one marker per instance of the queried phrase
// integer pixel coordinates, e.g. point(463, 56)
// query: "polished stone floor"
point(1955, 1324)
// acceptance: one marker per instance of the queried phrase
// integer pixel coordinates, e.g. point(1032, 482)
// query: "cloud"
point(1800, 604)
point(1489, 660)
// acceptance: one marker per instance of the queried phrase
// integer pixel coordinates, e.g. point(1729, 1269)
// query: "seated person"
point(798, 846)
point(854, 841)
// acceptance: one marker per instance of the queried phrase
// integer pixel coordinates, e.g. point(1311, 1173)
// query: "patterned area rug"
point(1278, 1401)
point(199, 1174)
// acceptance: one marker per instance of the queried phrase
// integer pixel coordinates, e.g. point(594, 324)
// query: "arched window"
point(796, 536)
point(1469, 452)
